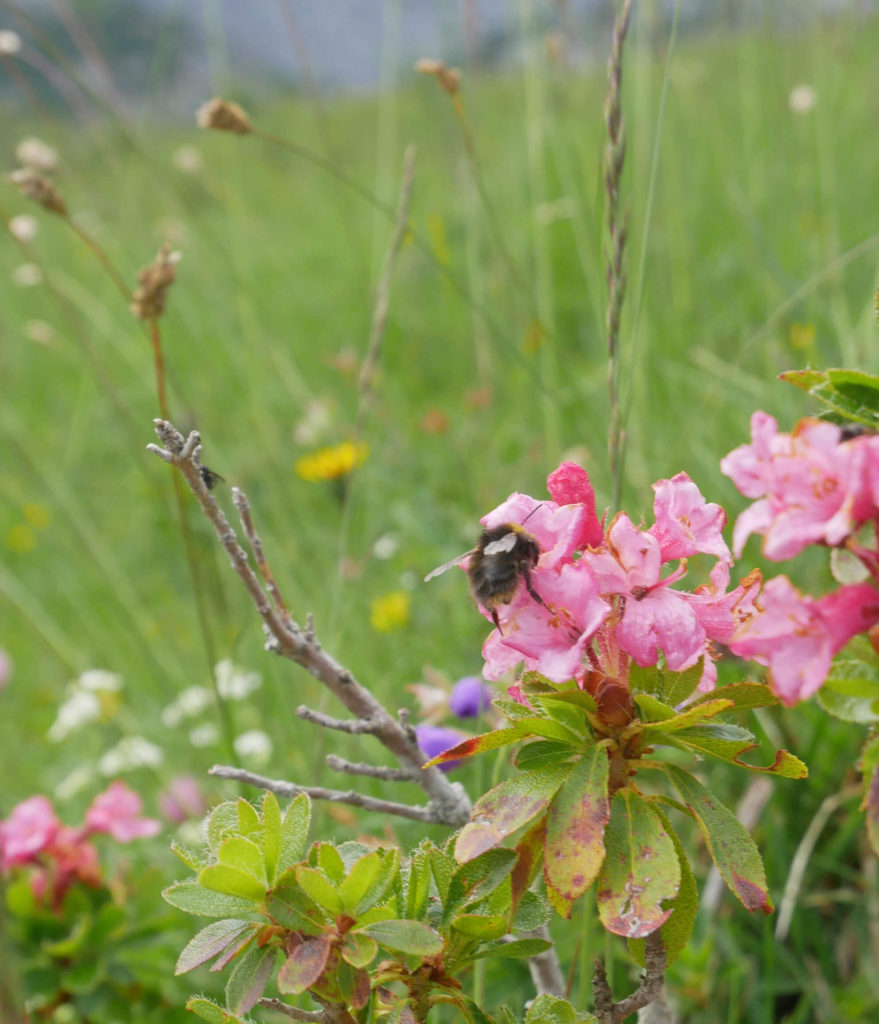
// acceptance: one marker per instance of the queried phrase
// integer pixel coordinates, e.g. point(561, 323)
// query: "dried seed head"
point(36, 155)
point(34, 185)
point(223, 116)
point(448, 78)
point(148, 301)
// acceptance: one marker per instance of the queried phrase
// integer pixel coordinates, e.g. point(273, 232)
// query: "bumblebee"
point(503, 557)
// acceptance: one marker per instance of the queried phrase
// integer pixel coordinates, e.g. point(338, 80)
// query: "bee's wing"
point(440, 569)
point(505, 543)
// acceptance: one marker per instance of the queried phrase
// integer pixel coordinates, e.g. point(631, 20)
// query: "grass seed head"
point(148, 301)
point(223, 116)
point(448, 78)
point(36, 186)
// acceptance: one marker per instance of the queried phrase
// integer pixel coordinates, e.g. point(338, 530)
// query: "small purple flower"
point(434, 739)
point(470, 696)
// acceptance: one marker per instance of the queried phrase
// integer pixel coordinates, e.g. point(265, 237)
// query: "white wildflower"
point(10, 43)
point(204, 735)
point(37, 155)
point(188, 159)
point(74, 782)
point(385, 547)
point(130, 752)
point(99, 680)
point(191, 701)
point(234, 683)
point(27, 275)
point(802, 99)
point(39, 331)
point(254, 746)
point(79, 709)
point(24, 227)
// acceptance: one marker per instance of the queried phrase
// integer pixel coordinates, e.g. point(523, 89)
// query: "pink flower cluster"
point(59, 854)
point(813, 486)
point(608, 594)
point(611, 596)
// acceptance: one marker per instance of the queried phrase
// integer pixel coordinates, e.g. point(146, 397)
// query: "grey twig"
point(447, 802)
point(609, 1012)
point(241, 504)
point(352, 725)
point(373, 771)
point(545, 969)
point(315, 1016)
point(428, 814)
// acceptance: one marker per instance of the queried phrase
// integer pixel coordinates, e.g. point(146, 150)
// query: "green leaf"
point(548, 1009)
point(289, 906)
point(641, 872)
point(222, 822)
point(315, 884)
point(417, 882)
point(471, 1011)
point(475, 879)
point(249, 978)
point(405, 937)
point(531, 913)
point(442, 867)
point(326, 857)
point(244, 855)
point(191, 858)
point(677, 928)
point(646, 680)
point(540, 753)
point(211, 941)
point(190, 896)
point(578, 698)
point(354, 985)
point(211, 1012)
point(513, 950)
point(575, 824)
point(862, 389)
point(567, 714)
point(249, 823)
point(728, 842)
point(653, 709)
point(677, 686)
point(745, 696)
point(481, 926)
point(851, 692)
point(232, 881)
point(271, 831)
point(805, 380)
point(869, 765)
point(728, 743)
point(72, 942)
point(507, 807)
point(692, 715)
point(477, 744)
point(368, 881)
point(294, 831)
point(529, 851)
point(304, 966)
point(359, 950)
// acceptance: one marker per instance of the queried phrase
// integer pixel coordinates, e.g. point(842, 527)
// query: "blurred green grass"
point(754, 205)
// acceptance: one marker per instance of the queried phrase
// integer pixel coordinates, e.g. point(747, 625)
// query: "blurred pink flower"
point(685, 523)
point(182, 799)
point(570, 485)
point(796, 635)
point(812, 487)
point(117, 812)
point(5, 668)
point(28, 830)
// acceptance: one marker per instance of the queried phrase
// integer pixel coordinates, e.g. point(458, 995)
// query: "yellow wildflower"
point(390, 611)
point(36, 516)
point(20, 539)
point(332, 463)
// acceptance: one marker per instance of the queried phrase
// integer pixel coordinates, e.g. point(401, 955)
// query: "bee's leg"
point(529, 586)
point(496, 621)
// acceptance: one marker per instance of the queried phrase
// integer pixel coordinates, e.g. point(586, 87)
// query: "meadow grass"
point(761, 257)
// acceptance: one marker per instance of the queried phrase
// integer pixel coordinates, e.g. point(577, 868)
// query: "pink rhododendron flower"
point(182, 799)
point(570, 485)
point(117, 811)
point(685, 523)
point(655, 617)
point(796, 635)
point(28, 830)
point(551, 640)
point(812, 486)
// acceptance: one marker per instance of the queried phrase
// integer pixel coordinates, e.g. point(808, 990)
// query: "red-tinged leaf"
point(691, 716)
point(560, 904)
point(677, 928)
point(353, 985)
point(728, 743)
point(210, 941)
point(575, 826)
point(477, 744)
point(530, 857)
point(359, 950)
point(506, 808)
point(804, 379)
point(248, 981)
point(728, 842)
point(745, 696)
point(230, 952)
point(641, 872)
point(304, 965)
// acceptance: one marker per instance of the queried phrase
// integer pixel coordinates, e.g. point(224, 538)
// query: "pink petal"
point(685, 523)
point(570, 485)
point(117, 812)
point(28, 830)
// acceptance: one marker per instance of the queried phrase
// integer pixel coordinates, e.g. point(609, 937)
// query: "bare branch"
point(373, 771)
point(609, 1012)
point(315, 1016)
point(545, 969)
point(351, 725)
point(429, 814)
point(448, 803)
point(255, 543)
